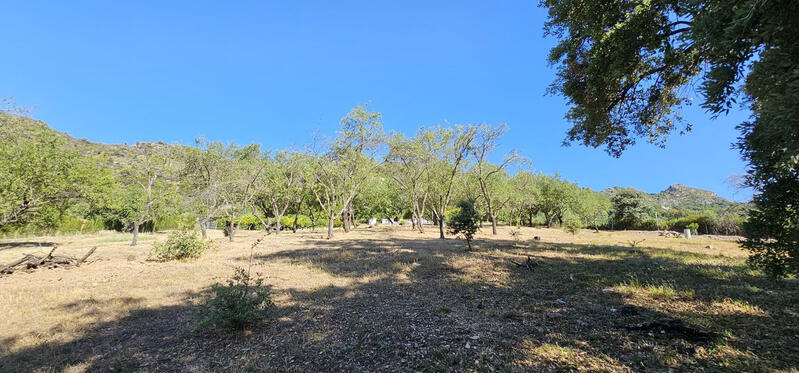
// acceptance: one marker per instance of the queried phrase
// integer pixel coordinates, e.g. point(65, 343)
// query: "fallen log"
point(51, 261)
point(83, 259)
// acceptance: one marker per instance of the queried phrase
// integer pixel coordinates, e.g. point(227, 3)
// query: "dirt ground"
point(389, 299)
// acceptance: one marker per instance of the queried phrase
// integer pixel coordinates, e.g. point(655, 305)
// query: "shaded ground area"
point(388, 300)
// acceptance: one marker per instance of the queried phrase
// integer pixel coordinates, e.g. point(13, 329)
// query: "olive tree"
point(343, 166)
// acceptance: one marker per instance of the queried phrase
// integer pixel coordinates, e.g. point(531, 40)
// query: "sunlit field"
point(389, 299)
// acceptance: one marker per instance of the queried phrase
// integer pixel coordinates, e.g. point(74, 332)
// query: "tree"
point(623, 66)
point(39, 175)
point(343, 167)
point(410, 165)
point(593, 207)
point(492, 179)
point(556, 197)
point(464, 221)
point(630, 208)
point(448, 160)
point(244, 168)
point(280, 184)
point(524, 195)
point(148, 180)
point(204, 176)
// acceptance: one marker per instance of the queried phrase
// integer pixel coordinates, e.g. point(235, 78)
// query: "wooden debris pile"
point(30, 261)
point(671, 234)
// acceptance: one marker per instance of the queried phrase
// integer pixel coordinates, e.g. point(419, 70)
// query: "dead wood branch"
point(31, 261)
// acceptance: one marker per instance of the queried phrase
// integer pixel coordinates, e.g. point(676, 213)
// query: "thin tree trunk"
point(231, 230)
point(419, 221)
point(296, 219)
point(277, 224)
point(441, 227)
point(493, 224)
point(329, 228)
point(203, 230)
point(135, 234)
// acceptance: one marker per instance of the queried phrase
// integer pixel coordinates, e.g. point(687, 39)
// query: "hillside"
point(678, 196)
point(118, 155)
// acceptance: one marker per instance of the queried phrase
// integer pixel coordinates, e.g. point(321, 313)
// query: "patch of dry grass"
point(388, 299)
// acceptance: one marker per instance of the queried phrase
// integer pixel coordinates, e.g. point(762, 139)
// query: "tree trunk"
point(441, 227)
point(419, 222)
point(330, 228)
point(345, 221)
point(294, 226)
point(231, 230)
point(203, 230)
point(493, 224)
point(135, 235)
point(469, 243)
point(277, 224)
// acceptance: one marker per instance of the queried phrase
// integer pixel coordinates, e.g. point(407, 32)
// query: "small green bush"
point(180, 245)
point(239, 303)
point(572, 226)
point(464, 221)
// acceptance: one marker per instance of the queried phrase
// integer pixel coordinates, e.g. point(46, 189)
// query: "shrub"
point(572, 226)
point(464, 221)
point(180, 245)
point(693, 227)
point(237, 304)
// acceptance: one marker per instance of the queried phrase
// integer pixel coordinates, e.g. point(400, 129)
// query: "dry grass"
point(387, 299)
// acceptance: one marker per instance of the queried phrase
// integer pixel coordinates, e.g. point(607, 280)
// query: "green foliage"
point(41, 177)
point(556, 198)
point(630, 209)
point(239, 303)
point(248, 222)
point(693, 227)
point(623, 66)
point(572, 226)
point(464, 221)
point(302, 221)
point(180, 245)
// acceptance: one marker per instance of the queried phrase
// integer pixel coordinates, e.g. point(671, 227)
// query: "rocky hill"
point(678, 196)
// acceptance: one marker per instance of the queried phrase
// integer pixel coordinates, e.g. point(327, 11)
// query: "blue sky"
point(275, 72)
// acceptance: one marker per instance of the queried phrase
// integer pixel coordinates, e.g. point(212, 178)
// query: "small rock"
point(553, 315)
point(475, 337)
point(582, 323)
point(375, 295)
point(607, 290)
point(709, 247)
point(612, 309)
point(560, 301)
point(468, 345)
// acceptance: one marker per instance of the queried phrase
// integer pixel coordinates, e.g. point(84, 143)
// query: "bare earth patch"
point(388, 299)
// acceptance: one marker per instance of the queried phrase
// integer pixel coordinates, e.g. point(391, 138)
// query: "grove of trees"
point(361, 173)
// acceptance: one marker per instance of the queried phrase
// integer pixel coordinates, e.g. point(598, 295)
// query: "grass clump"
point(180, 245)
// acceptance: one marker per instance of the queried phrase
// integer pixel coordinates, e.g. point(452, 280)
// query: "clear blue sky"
point(274, 72)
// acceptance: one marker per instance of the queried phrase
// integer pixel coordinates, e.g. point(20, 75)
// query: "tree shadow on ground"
point(429, 305)
point(22, 244)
